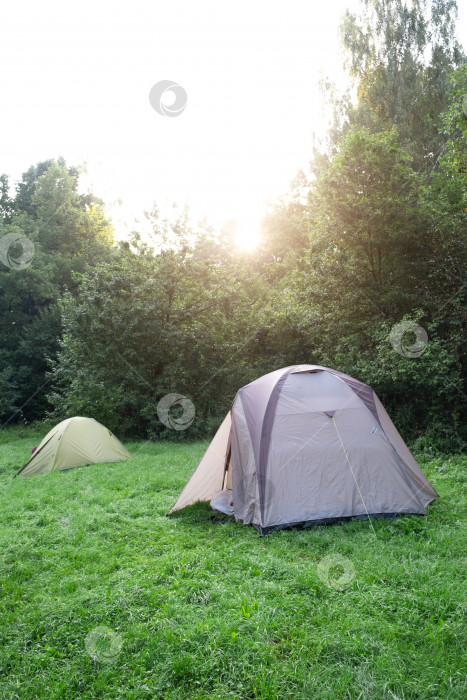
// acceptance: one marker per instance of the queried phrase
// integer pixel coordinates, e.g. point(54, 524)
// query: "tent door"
point(227, 480)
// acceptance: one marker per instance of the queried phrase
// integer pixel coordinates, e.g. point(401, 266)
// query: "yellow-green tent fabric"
point(73, 443)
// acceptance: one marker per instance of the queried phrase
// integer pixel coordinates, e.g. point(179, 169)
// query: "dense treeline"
point(372, 236)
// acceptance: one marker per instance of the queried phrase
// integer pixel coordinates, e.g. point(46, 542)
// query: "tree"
point(376, 257)
point(173, 318)
point(366, 219)
point(6, 203)
point(401, 56)
point(68, 231)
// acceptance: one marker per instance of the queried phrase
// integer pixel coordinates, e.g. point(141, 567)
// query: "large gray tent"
point(308, 444)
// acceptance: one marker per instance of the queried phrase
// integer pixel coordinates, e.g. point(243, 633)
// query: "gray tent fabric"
point(308, 444)
point(223, 502)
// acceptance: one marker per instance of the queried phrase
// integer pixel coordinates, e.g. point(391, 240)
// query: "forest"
point(361, 265)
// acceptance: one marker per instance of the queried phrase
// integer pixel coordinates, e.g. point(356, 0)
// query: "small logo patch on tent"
point(374, 430)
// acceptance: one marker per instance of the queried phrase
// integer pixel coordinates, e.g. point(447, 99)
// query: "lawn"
point(103, 596)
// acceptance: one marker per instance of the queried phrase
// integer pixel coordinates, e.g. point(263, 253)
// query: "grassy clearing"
point(205, 610)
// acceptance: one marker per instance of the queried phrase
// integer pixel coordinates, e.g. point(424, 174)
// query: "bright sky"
point(76, 81)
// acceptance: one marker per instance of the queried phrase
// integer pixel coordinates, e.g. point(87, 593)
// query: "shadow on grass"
point(393, 525)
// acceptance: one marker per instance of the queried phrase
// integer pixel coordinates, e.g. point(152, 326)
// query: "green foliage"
point(69, 232)
point(366, 216)
point(8, 392)
point(421, 390)
point(6, 203)
point(401, 55)
point(147, 324)
point(384, 213)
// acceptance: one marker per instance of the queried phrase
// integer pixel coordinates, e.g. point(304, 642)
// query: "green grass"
point(212, 610)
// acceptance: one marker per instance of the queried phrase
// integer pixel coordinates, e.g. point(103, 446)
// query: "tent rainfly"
point(73, 443)
point(308, 445)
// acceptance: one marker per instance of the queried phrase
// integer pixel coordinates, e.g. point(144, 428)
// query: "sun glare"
point(246, 236)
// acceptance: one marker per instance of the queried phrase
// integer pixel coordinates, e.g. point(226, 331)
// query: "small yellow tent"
point(73, 443)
